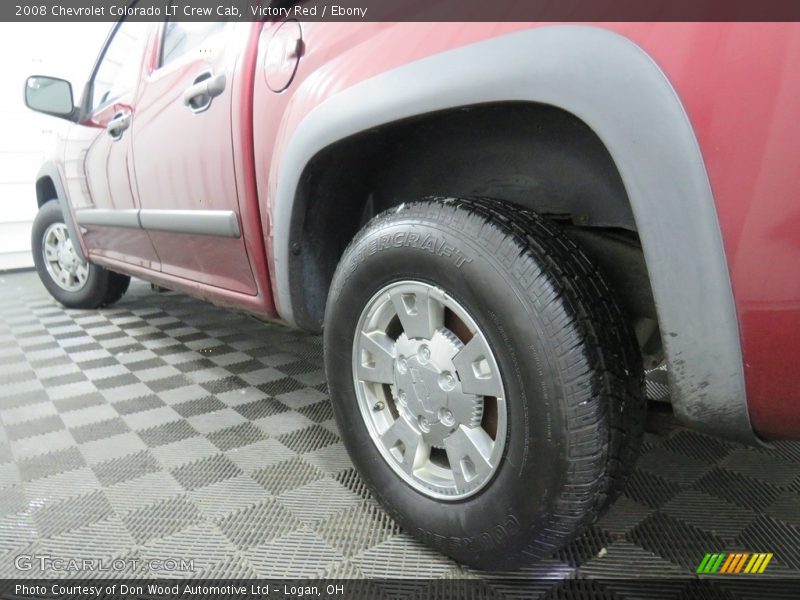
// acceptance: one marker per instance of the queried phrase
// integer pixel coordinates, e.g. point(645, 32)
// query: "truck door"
point(184, 157)
point(98, 164)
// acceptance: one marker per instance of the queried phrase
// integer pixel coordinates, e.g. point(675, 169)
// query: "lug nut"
point(447, 381)
point(446, 417)
point(424, 353)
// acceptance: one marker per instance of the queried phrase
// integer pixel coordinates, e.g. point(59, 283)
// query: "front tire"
point(550, 394)
point(72, 281)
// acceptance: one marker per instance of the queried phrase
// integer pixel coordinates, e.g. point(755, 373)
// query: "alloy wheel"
point(69, 271)
point(429, 390)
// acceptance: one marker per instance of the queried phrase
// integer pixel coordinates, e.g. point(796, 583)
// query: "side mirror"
point(50, 96)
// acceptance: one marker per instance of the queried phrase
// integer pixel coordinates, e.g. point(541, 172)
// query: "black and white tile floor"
point(167, 427)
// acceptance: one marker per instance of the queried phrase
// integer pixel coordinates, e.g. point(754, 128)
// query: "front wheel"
point(485, 382)
point(72, 281)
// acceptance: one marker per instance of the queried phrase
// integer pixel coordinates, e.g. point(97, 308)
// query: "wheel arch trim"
point(620, 92)
point(49, 170)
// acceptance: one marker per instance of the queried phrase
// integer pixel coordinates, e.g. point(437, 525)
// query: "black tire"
point(117, 286)
point(102, 287)
point(568, 357)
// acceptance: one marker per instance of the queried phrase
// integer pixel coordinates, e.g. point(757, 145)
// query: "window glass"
point(181, 38)
point(119, 69)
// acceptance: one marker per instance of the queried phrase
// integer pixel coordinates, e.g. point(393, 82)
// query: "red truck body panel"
point(739, 84)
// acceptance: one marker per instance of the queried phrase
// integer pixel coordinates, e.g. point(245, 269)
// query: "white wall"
point(62, 50)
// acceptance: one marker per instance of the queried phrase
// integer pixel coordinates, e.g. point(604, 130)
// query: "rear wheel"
point(71, 280)
point(485, 382)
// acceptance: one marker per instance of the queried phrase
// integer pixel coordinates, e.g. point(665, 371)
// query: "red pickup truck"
point(497, 227)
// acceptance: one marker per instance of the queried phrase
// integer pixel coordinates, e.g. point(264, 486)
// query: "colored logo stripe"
point(729, 562)
point(734, 562)
point(740, 565)
point(758, 563)
point(710, 563)
point(704, 564)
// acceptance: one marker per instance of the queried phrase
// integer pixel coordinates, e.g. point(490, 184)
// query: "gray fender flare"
point(50, 171)
point(617, 89)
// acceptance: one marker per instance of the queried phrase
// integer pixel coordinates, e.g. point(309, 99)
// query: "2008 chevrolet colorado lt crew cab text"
point(497, 228)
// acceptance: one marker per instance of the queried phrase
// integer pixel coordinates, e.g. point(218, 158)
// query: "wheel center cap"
point(428, 390)
point(422, 392)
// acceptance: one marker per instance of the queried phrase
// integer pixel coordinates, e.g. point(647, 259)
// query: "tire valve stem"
point(378, 405)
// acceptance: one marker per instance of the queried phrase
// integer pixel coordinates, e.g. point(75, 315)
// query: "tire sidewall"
point(531, 473)
point(92, 293)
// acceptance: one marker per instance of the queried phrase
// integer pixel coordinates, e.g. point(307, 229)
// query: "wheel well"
point(45, 191)
point(533, 155)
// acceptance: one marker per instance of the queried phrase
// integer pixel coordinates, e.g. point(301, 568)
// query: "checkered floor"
point(166, 427)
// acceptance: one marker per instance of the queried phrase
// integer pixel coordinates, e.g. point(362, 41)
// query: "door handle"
point(203, 90)
point(118, 124)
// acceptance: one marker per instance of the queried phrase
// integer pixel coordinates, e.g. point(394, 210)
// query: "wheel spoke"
point(468, 451)
point(378, 364)
point(475, 369)
point(59, 233)
point(419, 314)
point(406, 445)
point(50, 253)
point(82, 272)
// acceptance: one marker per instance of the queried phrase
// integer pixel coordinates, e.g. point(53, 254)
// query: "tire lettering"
point(486, 540)
point(429, 243)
